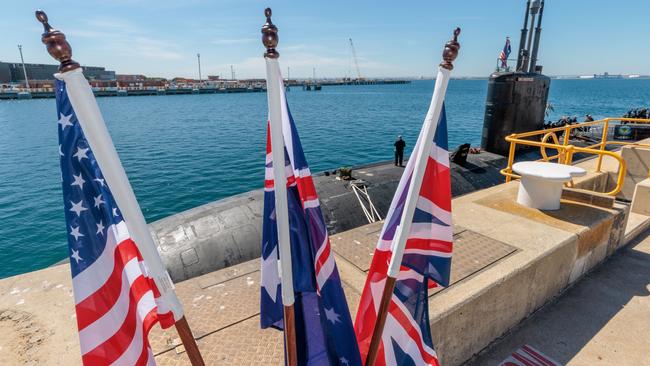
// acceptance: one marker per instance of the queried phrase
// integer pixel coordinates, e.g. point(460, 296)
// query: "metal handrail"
point(566, 151)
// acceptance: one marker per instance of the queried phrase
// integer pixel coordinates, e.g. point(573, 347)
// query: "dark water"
point(184, 151)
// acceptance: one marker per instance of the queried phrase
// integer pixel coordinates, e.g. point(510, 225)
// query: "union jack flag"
point(324, 331)
point(115, 298)
point(505, 53)
point(406, 339)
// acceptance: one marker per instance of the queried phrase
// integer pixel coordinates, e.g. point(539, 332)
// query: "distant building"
point(179, 80)
point(161, 82)
point(12, 73)
point(252, 81)
point(214, 78)
point(125, 78)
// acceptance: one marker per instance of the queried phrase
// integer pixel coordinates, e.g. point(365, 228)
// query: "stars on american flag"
point(99, 201)
point(75, 255)
point(82, 153)
point(74, 231)
point(90, 207)
point(78, 181)
point(64, 121)
point(100, 228)
point(78, 207)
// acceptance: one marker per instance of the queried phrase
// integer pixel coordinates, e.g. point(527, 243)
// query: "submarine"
point(227, 232)
point(516, 100)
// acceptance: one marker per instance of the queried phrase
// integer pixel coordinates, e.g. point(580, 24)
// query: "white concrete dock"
point(602, 320)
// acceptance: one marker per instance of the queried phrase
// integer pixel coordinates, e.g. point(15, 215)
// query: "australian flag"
point(406, 338)
point(324, 331)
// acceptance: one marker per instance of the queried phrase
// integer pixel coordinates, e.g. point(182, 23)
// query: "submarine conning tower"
point(516, 100)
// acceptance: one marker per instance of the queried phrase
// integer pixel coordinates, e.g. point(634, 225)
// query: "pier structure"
point(229, 86)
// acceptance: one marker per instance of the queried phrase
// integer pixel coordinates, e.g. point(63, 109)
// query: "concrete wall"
point(555, 250)
point(638, 168)
point(641, 198)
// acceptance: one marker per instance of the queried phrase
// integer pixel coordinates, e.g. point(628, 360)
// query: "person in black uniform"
point(399, 150)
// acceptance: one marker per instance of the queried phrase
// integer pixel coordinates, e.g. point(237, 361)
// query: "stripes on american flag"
point(115, 298)
point(324, 331)
point(505, 53)
point(426, 263)
point(528, 356)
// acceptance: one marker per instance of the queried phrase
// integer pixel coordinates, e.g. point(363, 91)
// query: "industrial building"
point(12, 73)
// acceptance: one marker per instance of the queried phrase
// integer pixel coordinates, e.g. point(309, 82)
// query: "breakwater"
point(142, 91)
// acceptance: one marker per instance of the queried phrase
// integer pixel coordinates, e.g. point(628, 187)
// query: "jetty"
point(215, 88)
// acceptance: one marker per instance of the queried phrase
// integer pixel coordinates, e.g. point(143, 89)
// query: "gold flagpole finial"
point(450, 52)
point(57, 46)
point(270, 36)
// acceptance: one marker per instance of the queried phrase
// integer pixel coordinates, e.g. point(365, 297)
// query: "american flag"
point(526, 355)
point(505, 53)
point(324, 331)
point(115, 298)
point(406, 339)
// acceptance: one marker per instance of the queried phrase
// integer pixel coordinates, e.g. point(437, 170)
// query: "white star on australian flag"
point(332, 316)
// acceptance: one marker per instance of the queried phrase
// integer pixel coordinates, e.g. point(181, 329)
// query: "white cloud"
point(126, 40)
point(234, 41)
point(154, 49)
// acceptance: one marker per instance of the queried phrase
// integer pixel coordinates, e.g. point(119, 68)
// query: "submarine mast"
point(516, 100)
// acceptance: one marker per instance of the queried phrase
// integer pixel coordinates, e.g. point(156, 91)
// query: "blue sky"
point(392, 38)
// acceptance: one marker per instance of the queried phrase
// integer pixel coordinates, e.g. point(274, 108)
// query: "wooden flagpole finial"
point(57, 46)
point(450, 52)
point(270, 36)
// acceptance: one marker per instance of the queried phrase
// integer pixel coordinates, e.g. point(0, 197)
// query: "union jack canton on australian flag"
point(324, 331)
point(406, 339)
point(115, 299)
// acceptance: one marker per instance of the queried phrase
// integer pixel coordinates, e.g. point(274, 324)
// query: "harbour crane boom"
point(356, 62)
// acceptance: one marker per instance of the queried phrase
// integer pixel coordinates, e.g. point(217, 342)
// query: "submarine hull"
point(227, 232)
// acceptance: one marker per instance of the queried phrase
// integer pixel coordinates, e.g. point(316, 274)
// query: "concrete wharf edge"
point(551, 251)
point(602, 320)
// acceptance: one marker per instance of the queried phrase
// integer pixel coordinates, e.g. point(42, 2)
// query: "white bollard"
point(541, 183)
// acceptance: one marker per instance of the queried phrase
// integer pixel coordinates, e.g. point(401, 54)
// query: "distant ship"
point(607, 75)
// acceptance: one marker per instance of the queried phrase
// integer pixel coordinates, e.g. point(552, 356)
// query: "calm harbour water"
point(187, 150)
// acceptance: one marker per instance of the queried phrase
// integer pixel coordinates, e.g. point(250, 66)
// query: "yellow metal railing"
point(565, 151)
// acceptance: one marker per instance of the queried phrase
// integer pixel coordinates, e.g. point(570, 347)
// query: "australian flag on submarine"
point(324, 331)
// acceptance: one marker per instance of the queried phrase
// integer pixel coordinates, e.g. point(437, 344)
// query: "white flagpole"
point(279, 179)
point(94, 128)
point(274, 88)
point(421, 157)
point(92, 123)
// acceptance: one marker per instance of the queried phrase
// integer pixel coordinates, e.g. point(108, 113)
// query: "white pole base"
point(540, 194)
